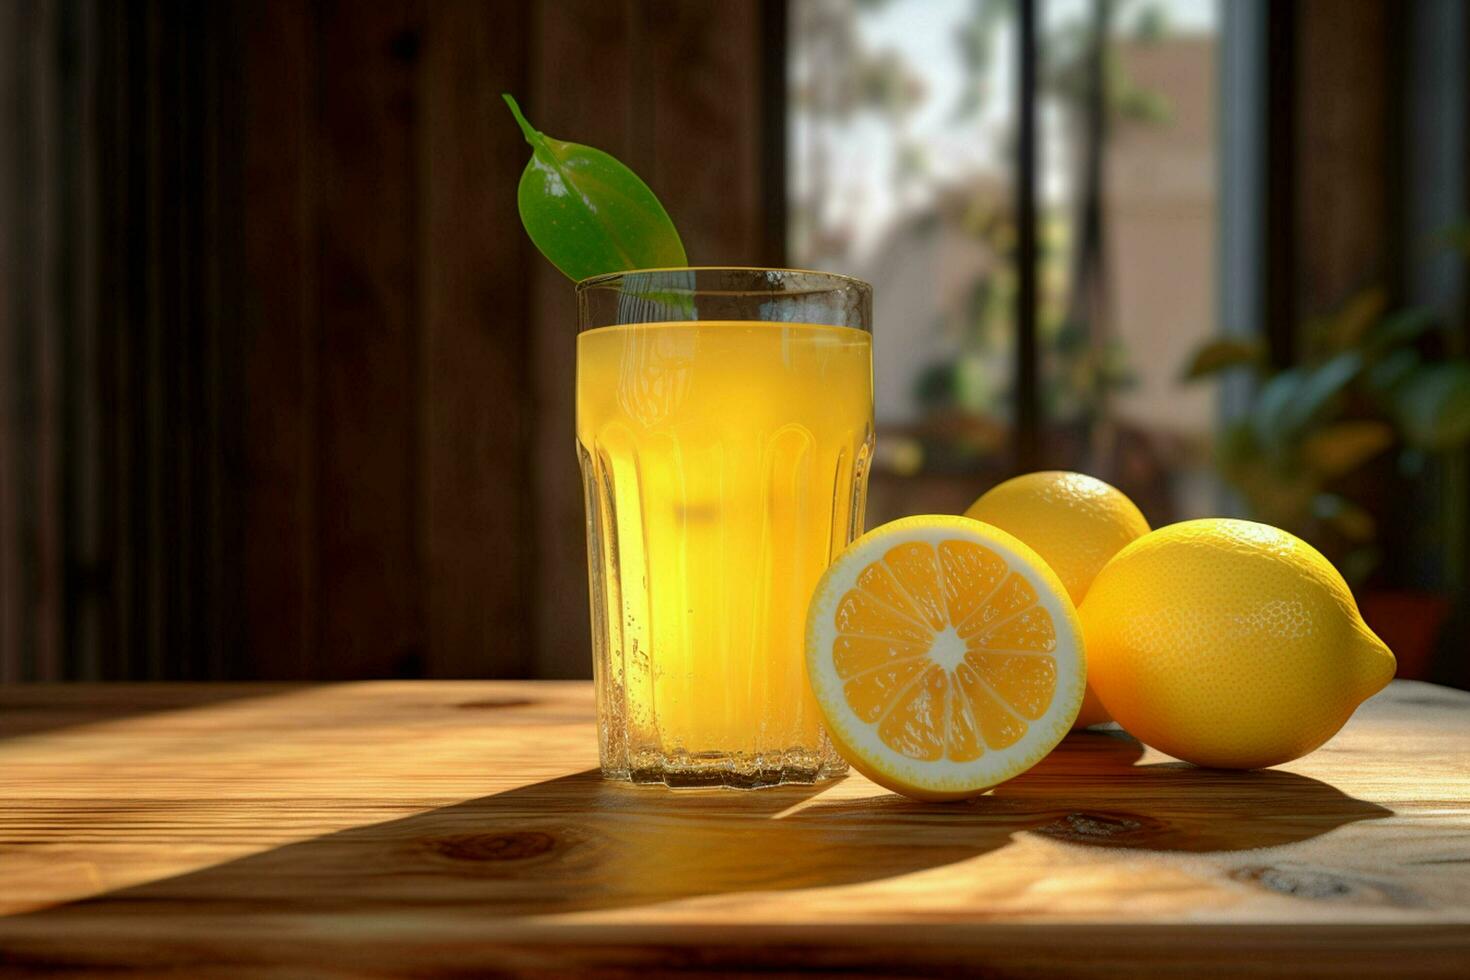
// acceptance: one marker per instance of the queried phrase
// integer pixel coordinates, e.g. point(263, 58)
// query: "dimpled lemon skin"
point(1229, 644)
point(1076, 523)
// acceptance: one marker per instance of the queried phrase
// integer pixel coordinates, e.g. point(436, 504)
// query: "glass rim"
point(839, 280)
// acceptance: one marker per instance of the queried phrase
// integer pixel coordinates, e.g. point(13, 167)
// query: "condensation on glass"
point(724, 429)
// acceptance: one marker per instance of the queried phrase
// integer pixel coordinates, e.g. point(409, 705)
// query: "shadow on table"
point(579, 842)
point(1091, 791)
point(31, 709)
point(1174, 806)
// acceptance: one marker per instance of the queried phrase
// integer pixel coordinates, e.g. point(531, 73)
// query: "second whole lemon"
point(1229, 644)
point(1076, 523)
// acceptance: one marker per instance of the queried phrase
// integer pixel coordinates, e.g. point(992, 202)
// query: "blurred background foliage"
point(1375, 389)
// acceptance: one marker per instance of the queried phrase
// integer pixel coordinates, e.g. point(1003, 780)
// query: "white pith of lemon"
point(945, 655)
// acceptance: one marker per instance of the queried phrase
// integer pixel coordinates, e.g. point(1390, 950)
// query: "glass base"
point(728, 771)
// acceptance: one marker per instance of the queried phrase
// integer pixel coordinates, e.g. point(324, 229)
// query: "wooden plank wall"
point(113, 366)
point(286, 393)
point(1348, 99)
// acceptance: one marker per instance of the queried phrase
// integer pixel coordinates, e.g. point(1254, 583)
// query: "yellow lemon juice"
point(724, 466)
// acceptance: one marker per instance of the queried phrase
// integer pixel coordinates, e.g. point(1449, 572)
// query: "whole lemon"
point(1228, 643)
point(1076, 523)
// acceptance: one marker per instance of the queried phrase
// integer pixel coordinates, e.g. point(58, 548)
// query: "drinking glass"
point(724, 429)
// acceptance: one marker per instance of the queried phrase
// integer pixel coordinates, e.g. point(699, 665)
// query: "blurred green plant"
point(1372, 382)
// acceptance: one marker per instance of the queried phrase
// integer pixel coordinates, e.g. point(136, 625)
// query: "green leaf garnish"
point(589, 214)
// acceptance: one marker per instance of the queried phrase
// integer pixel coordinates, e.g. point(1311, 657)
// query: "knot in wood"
point(517, 846)
point(1100, 827)
point(1326, 886)
point(491, 704)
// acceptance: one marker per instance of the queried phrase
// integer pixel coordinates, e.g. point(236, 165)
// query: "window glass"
point(902, 129)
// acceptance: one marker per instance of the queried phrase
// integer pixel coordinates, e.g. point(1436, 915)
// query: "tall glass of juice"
point(724, 427)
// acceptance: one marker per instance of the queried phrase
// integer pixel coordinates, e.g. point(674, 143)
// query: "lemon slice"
point(945, 656)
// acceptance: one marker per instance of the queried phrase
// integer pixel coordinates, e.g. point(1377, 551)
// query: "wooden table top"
point(457, 827)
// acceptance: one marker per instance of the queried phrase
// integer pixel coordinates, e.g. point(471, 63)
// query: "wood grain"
point(34, 189)
point(112, 328)
point(371, 619)
point(455, 828)
point(474, 340)
point(1347, 91)
point(706, 91)
point(17, 604)
point(279, 361)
